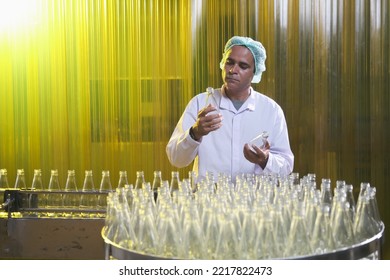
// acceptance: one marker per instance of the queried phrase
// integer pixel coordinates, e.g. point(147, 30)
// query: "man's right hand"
point(209, 119)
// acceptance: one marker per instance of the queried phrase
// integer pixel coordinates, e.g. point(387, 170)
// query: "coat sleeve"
point(181, 148)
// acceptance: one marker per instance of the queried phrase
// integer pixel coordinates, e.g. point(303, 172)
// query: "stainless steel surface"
point(367, 248)
point(358, 251)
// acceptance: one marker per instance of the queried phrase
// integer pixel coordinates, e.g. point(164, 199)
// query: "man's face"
point(238, 70)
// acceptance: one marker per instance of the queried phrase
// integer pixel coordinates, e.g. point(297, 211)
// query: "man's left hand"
point(258, 156)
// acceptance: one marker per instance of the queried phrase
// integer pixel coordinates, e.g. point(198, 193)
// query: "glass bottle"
point(280, 230)
point(294, 178)
point(3, 179)
point(248, 240)
point(54, 199)
point(36, 184)
point(20, 182)
point(210, 181)
point(34, 199)
point(124, 235)
point(157, 179)
point(362, 192)
point(374, 208)
point(260, 232)
point(342, 227)
point(170, 241)
point(227, 241)
point(335, 203)
point(146, 232)
point(311, 212)
point(131, 240)
point(140, 180)
point(122, 179)
point(193, 237)
point(129, 192)
point(340, 184)
point(111, 220)
point(192, 178)
point(210, 226)
point(174, 185)
point(364, 226)
point(105, 188)
point(339, 189)
point(270, 250)
point(351, 201)
point(326, 193)
point(88, 199)
point(298, 243)
point(164, 195)
point(322, 239)
point(71, 200)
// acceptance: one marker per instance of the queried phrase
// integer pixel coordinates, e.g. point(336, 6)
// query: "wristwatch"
point(191, 132)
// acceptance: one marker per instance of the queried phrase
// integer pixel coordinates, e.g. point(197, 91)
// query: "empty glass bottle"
point(54, 198)
point(298, 243)
point(156, 184)
point(140, 180)
point(336, 202)
point(351, 201)
point(193, 237)
point(340, 184)
point(126, 216)
point(122, 179)
point(192, 178)
point(374, 207)
point(365, 224)
point(20, 182)
point(124, 235)
point(342, 227)
point(105, 188)
point(146, 232)
point(174, 185)
point(362, 192)
point(322, 238)
point(280, 230)
point(248, 236)
point(71, 200)
point(326, 193)
point(112, 219)
point(227, 246)
point(36, 200)
point(3, 179)
point(88, 200)
point(36, 184)
point(170, 241)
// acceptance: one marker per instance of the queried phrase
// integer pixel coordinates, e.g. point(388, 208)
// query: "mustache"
point(231, 78)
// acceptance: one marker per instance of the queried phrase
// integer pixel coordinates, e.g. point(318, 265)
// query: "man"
point(217, 126)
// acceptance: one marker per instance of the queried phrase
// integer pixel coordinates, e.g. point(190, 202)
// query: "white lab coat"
point(221, 151)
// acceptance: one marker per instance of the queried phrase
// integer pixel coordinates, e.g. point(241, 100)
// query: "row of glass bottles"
point(70, 196)
point(258, 217)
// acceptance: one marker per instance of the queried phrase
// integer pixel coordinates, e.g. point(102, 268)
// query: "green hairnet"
point(256, 49)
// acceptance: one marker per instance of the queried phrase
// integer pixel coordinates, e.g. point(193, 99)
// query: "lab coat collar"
point(227, 104)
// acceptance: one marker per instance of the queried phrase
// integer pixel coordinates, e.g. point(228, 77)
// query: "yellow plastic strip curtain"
point(91, 85)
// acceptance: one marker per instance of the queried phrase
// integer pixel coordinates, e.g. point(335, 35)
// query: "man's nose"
point(232, 68)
